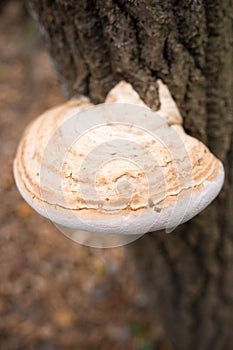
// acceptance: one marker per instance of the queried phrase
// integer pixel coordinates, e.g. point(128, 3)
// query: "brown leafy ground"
point(54, 294)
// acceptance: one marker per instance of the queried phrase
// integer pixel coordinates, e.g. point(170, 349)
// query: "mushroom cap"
point(115, 168)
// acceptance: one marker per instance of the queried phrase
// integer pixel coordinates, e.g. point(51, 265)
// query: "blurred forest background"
point(54, 293)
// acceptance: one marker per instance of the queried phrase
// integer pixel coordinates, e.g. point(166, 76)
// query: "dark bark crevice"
point(219, 89)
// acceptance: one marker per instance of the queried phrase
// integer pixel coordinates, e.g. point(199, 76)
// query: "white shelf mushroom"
point(117, 169)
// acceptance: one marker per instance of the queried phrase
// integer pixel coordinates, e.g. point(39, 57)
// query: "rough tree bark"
point(188, 44)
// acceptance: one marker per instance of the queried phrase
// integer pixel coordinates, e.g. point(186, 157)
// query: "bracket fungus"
point(117, 168)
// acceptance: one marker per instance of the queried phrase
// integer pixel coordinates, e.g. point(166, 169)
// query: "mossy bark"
point(188, 274)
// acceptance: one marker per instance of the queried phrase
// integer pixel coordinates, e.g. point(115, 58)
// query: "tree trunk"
point(188, 44)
